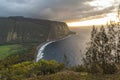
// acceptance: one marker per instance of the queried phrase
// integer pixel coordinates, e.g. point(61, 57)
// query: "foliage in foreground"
point(70, 75)
point(103, 52)
point(30, 69)
point(23, 53)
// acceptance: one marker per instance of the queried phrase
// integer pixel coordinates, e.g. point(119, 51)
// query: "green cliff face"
point(21, 30)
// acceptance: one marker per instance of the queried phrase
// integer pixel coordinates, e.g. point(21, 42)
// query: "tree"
point(104, 49)
point(117, 54)
point(112, 41)
point(98, 54)
point(91, 54)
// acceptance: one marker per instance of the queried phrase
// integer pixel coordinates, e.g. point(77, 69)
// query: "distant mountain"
point(21, 30)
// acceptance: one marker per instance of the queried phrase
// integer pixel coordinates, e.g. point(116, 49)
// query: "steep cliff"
point(21, 30)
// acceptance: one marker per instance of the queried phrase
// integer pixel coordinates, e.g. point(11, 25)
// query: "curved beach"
point(42, 47)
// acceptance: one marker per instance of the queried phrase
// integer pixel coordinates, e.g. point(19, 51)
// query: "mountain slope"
point(21, 30)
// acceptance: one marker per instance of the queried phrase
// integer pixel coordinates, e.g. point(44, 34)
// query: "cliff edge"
point(27, 30)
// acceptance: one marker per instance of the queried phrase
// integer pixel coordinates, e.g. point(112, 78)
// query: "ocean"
point(69, 50)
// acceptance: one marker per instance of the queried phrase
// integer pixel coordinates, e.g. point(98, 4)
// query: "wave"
point(40, 52)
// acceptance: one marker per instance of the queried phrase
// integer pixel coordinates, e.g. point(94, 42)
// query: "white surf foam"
point(40, 52)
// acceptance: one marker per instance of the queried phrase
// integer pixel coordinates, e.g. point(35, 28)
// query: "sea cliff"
point(27, 30)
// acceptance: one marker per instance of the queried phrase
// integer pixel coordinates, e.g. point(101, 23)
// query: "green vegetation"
point(30, 69)
point(7, 50)
point(71, 75)
point(19, 54)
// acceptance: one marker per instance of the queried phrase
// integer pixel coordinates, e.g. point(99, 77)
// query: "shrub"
point(17, 71)
point(29, 68)
point(95, 68)
point(79, 68)
point(110, 69)
point(48, 67)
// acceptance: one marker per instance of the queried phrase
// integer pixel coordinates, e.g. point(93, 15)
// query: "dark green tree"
point(99, 53)
point(91, 54)
point(104, 51)
point(117, 54)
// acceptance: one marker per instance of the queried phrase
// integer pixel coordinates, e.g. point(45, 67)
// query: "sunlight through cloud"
point(102, 4)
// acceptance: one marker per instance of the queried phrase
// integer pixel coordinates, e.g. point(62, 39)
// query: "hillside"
point(21, 30)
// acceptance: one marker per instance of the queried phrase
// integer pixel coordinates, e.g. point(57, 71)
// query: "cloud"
point(54, 9)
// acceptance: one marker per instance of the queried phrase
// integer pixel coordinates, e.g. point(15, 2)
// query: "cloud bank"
point(57, 9)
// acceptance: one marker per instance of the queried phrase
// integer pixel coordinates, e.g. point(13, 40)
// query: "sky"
point(74, 12)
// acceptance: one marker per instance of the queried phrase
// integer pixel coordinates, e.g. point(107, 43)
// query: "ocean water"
point(71, 49)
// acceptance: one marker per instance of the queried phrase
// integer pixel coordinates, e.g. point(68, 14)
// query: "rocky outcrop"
point(21, 30)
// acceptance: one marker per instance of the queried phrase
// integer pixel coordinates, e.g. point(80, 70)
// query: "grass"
point(71, 75)
point(8, 50)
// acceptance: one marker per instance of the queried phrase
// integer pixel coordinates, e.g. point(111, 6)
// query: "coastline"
point(43, 45)
point(40, 50)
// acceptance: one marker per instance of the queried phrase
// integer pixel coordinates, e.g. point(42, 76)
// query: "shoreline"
point(43, 45)
point(41, 49)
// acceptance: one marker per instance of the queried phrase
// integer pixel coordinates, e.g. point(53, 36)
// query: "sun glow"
point(88, 22)
point(99, 21)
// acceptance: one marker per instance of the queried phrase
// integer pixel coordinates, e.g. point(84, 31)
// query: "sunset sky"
point(73, 12)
